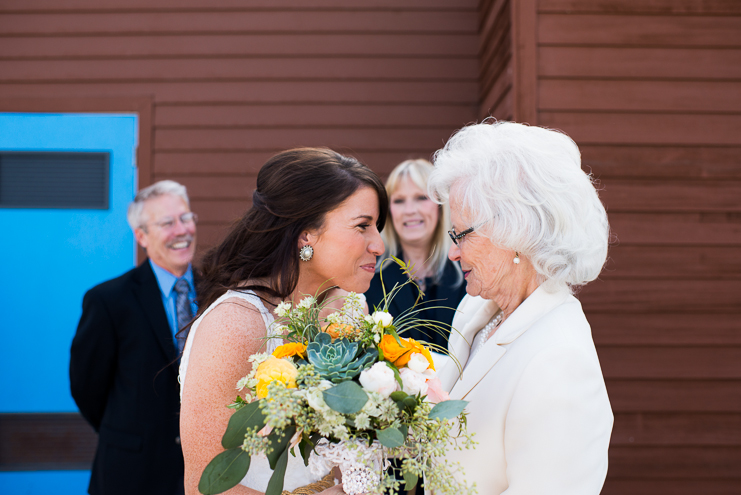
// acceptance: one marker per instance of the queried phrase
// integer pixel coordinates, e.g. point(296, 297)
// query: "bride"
point(315, 218)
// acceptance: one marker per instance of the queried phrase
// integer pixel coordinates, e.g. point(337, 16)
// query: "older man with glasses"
point(123, 366)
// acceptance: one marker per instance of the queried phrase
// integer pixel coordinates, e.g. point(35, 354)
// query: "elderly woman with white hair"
point(528, 227)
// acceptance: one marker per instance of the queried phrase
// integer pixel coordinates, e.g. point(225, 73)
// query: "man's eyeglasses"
point(168, 223)
point(454, 237)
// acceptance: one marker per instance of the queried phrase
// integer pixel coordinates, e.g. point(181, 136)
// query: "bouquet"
point(349, 391)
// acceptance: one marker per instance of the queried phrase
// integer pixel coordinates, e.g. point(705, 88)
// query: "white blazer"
point(537, 400)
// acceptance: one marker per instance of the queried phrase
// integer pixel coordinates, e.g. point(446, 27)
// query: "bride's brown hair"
point(295, 191)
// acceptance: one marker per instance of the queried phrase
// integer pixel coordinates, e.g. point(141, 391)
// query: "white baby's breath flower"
point(306, 302)
point(379, 378)
point(413, 382)
point(243, 383)
point(280, 330)
point(383, 318)
point(258, 358)
point(335, 317)
point(377, 338)
point(369, 319)
point(418, 363)
point(282, 309)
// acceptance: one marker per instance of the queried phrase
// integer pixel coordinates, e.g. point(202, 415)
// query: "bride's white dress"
point(297, 475)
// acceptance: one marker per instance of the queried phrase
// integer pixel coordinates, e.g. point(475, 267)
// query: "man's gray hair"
point(136, 208)
point(523, 187)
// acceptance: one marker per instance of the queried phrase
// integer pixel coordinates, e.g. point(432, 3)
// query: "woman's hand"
point(335, 490)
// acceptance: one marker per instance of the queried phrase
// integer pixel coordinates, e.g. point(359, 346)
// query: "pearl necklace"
point(493, 323)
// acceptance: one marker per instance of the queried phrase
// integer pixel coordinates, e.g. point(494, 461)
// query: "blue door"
point(50, 257)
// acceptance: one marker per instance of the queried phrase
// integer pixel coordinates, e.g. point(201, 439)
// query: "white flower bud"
point(383, 318)
point(418, 363)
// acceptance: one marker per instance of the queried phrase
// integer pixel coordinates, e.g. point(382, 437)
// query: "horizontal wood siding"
point(233, 82)
point(651, 91)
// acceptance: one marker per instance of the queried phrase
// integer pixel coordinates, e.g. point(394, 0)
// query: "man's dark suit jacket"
point(438, 304)
point(123, 375)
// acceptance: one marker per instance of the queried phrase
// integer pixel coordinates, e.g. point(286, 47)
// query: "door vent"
point(54, 180)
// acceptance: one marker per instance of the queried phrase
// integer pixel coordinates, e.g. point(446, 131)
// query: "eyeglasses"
point(168, 223)
point(454, 237)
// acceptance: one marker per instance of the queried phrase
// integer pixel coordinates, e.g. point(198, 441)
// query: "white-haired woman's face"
point(489, 270)
point(413, 214)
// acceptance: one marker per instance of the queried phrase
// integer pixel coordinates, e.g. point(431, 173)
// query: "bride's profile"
point(314, 223)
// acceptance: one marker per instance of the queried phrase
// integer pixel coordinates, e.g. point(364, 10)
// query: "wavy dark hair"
point(295, 190)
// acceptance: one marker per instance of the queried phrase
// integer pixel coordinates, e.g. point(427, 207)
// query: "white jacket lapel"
point(531, 310)
point(473, 314)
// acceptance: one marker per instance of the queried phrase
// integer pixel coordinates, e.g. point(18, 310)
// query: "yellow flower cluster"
point(290, 349)
point(275, 369)
point(399, 355)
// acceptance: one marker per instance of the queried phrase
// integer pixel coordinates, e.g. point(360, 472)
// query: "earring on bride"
point(516, 261)
point(306, 253)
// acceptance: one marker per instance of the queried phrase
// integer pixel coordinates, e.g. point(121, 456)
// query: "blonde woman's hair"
point(418, 171)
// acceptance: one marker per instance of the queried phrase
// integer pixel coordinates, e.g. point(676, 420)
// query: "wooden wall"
point(232, 82)
point(220, 86)
point(650, 90)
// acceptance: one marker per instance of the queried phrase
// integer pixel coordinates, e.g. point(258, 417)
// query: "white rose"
point(414, 382)
point(315, 397)
point(379, 378)
point(383, 318)
point(417, 362)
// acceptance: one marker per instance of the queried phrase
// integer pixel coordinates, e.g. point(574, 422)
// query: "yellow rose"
point(290, 349)
point(274, 369)
point(399, 355)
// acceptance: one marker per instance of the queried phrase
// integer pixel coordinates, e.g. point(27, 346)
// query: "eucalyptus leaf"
point(278, 442)
point(225, 471)
point(247, 417)
point(306, 446)
point(398, 396)
point(409, 403)
point(275, 485)
point(448, 409)
point(411, 480)
point(404, 429)
point(346, 398)
point(390, 437)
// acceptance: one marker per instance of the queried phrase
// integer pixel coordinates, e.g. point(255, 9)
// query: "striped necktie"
point(183, 311)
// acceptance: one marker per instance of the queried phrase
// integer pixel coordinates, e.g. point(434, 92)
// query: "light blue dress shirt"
point(166, 281)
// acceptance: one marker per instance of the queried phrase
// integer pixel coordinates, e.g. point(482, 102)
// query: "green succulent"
point(338, 361)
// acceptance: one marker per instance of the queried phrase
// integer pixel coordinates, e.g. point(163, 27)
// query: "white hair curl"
point(524, 188)
point(136, 208)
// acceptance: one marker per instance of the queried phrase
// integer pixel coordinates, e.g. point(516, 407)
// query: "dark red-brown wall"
point(232, 82)
point(651, 92)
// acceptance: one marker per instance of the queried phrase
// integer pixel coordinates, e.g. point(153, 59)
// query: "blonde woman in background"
point(416, 232)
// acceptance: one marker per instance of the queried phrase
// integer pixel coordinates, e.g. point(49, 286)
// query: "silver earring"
point(517, 258)
point(306, 253)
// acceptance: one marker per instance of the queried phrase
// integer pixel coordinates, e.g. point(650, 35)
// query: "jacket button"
point(177, 440)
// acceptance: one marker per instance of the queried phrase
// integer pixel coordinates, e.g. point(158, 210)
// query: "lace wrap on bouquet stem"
point(361, 465)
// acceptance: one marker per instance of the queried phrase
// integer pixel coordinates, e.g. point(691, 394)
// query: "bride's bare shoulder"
point(232, 316)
